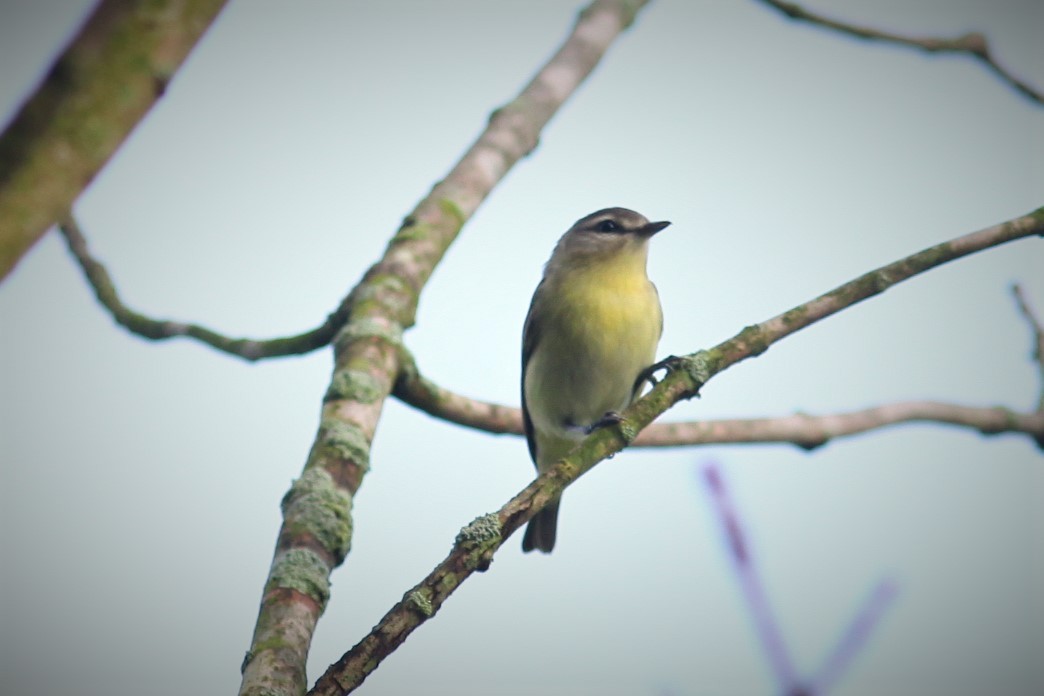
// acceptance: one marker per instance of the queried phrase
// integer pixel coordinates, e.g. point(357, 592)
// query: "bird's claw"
point(610, 418)
point(669, 364)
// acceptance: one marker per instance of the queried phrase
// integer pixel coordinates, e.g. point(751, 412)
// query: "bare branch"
point(804, 430)
point(754, 340)
point(854, 637)
point(765, 624)
point(810, 431)
point(750, 580)
point(107, 79)
point(418, 391)
point(1038, 343)
point(478, 542)
point(160, 329)
point(807, 431)
point(973, 44)
point(316, 531)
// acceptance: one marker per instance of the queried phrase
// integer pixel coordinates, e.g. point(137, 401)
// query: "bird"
point(590, 335)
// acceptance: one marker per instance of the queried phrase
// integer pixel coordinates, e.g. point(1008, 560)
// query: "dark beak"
point(652, 228)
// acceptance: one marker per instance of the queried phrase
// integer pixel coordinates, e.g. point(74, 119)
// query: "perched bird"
point(591, 331)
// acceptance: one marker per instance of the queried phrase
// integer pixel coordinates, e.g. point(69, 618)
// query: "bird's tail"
point(540, 532)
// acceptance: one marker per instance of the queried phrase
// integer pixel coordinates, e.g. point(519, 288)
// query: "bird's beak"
point(652, 228)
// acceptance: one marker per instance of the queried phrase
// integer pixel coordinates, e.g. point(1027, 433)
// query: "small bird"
point(591, 332)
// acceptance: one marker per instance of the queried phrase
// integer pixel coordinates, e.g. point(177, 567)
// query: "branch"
point(805, 431)
point(161, 329)
point(973, 44)
point(478, 542)
point(810, 432)
point(316, 531)
point(1038, 341)
point(854, 637)
point(94, 95)
point(766, 627)
point(418, 391)
point(801, 429)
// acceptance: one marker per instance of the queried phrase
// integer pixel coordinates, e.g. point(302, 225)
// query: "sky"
point(140, 482)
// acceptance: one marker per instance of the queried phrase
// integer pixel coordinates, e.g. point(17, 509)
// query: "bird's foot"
point(669, 364)
point(610, 418)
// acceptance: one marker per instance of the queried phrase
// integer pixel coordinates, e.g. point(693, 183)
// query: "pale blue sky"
point(141, 482)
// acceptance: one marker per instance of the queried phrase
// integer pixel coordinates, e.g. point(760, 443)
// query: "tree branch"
point(316, 531)
point(418, 391)
point(161, 329)
point(476, 544)
point(1038, 344)
point(854, 637)
point(766, 626)
point(752, 587)
point(810, 432)
point(973, 44)
point(94, 95)
point(807, 431)
point(804, 430)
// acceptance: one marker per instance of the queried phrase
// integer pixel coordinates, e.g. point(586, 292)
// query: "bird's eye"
point(607, 226)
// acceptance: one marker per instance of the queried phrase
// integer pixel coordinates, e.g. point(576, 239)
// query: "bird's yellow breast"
point(611, 297)
point(601, 325)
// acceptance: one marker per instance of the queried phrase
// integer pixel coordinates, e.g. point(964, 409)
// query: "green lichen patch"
point(315, 506)
point(304, 571)
point(409, 233)
point(481, 530)
point(353, 385)
point(419, 600)
point(450, 208)
point(368, 328)
point(386, 289)
point(627, 430)
point(344, 441)
point(699, 367)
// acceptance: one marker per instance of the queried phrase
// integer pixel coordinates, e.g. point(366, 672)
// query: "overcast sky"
point(141, 482)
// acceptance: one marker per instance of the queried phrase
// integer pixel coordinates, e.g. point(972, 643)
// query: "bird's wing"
point(530, 338)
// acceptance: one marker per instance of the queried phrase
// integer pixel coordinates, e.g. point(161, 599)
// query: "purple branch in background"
point(750, 583)
point(848, 645)
point(854, 637)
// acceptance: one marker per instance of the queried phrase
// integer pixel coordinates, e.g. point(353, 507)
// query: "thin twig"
point(766, 626)
point(478, 542)
point(808, 431)
point(1038, 344)
point(854, 637)
point(848, 645)
point(418, 391)
point(973, 44)
point(812, 431)
point(161, 329)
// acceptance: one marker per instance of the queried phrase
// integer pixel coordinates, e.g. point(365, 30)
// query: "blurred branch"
point(476, 544)
point(160, 329)
point(854, 637)
point(1038, 343)
point(316, 532)
point(765, 624)
point(973, 44)
point(94, 95)
point(418, 391)
point(804, 430)
point(811, 431)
